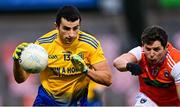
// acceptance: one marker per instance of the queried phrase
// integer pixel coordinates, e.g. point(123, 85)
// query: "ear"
point(142, 44)
point(166, 46)
point(56, 26)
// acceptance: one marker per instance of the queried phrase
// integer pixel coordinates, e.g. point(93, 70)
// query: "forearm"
point(120, 65)
point(104, 78)
point(100, 73)
point(121, 62)
point(19, 74)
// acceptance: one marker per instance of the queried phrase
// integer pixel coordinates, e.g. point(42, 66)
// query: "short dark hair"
point(153, 33)
point(70, 13)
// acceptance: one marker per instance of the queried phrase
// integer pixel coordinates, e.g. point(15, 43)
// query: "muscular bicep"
point(127, 57)
point(121, 61)
point(101, 73)
point(101, 66)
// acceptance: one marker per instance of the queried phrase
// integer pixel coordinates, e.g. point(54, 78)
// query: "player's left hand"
point(79, 63)
point(134, 68)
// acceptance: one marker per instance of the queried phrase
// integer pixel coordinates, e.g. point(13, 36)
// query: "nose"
point(152, 53)
point(71, 33)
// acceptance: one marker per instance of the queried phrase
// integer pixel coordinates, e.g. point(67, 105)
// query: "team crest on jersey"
point(166, 73)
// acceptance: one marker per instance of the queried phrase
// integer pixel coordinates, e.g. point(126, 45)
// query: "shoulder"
point(48, 37)
point(137, 52)
point(47, 40)
point(173, 54)
point(175, 72)
point(88, 40)
point(174, 62)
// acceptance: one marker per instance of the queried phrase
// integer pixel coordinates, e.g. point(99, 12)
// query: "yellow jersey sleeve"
point(47, 38)
point(97, 55)
point(93, 47)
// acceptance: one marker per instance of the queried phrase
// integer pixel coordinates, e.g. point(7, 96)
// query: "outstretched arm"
point(121, 62)
point(127, 62)
point(19, 74)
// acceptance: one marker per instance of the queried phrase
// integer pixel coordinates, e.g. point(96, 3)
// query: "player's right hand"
point(134, 68)
point(18, 50)
point(79, 63)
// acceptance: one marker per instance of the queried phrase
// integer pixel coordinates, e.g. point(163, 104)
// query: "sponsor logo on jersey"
point(52, 57)
point(143, 100)
point(65, 71)
point(62, 71)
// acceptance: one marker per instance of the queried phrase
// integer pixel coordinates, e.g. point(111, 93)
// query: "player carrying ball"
point(75, 58)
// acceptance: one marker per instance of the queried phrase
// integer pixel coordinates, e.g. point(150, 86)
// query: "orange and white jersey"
point(160, 84)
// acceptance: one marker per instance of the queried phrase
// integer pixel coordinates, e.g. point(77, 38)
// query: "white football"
point(34, 58)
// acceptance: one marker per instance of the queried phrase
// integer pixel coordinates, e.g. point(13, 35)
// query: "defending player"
point(75, 57)
point(157, 64)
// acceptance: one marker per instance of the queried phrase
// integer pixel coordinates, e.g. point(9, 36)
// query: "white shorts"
point(143, 101)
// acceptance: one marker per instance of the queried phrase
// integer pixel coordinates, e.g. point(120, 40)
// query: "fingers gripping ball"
point(18, 50)
point(34, 58)
point(79, 63)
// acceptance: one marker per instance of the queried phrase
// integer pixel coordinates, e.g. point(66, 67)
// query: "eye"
point(148, 49)
point(66, 28)
point(75, 28)
point(156, 49)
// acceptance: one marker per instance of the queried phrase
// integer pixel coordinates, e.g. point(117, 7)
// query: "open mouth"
point(68, 40)
point(152, 61)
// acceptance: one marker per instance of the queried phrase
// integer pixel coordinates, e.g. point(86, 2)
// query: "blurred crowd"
point(111, 29)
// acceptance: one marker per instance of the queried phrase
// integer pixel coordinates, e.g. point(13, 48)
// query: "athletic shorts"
point(144, 101)
point(44, 99)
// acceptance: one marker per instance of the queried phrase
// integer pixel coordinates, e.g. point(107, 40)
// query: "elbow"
point(109, 81)
point(19, 80)
point(120, 65)
point(118, 62)
point(115, 63)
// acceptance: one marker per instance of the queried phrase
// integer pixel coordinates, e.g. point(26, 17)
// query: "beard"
point(152, 62)
point(68, 40)
point(156, 61)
